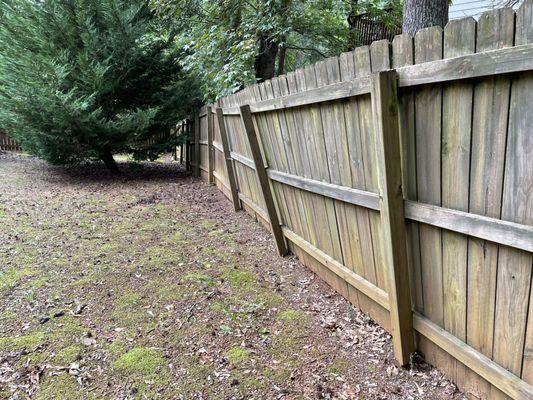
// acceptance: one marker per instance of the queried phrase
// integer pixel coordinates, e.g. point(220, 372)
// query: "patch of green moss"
point(176, 238)
point(116, 348)
point(239, 279)
point(293, 317)
point(24, 342)
point(168, 292)
point(12, 276)
point(61, 387)
point(129, 299)
point(158, 257)
point(206, 224)
point(141, 360)
point(237, 355)
point(69, 354)
point(338, 366)
point(218, 306)
point(68, 328)
point(286, 344)
point(268, 298)
point(199, 278)
point(38, 282)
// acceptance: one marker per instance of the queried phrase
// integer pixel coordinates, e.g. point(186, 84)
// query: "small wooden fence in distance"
point(7, 143)
point(402, 174)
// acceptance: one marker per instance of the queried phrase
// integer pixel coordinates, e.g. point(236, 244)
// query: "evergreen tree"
point(86, 79)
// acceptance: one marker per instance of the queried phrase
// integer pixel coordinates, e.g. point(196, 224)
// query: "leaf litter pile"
point(148, 285)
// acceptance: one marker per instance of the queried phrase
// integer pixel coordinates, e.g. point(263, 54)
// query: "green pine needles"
point(86, 79)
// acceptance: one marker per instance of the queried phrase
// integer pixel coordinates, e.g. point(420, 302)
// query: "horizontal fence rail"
point(496, 62)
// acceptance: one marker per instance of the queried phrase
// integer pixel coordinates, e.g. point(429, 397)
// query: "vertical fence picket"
point(197, 145)
point(210, 149)
point(229, 161)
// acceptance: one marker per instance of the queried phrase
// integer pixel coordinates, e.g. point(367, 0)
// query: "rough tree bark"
point(418, 14)
point(265, 62)
point(109, 162)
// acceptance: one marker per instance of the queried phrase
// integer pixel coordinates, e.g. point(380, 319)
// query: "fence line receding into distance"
point(402, 174)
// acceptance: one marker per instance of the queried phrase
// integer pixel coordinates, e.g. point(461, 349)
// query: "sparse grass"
point(26, 342)
point(199, 277)
point(62, 387)
point(69, 354)
point(13, 276)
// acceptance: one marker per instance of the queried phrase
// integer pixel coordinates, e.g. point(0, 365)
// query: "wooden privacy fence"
point(403, 175)
point(8, 144)
point(182, 152)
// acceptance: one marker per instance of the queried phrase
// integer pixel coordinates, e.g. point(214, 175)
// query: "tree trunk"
point(418, 14)
point(265, 62)
point(110, 162)
point(281, 59)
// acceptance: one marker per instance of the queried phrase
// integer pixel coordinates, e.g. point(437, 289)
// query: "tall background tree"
point(86, 79)
point(418, 14)
point(232, 43)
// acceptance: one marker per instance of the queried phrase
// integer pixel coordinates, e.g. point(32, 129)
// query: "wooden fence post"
point(385, 114)
point(262, 177)
point(229, 161)
point(187, 145)
point(197, 145)
point(210, 149)
point(174, 132)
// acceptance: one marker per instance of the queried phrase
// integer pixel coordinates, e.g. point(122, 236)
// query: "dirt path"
point(149, 286)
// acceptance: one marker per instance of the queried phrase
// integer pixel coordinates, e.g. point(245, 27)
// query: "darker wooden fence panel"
point(7, 143)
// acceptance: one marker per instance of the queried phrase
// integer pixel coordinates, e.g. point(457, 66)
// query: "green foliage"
point(84, 79)
point(220, 39)
point(387, 11)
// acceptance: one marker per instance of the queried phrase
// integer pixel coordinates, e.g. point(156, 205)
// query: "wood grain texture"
point(483, 365)
point(380, 60)
point(269, 130)
point(428, 103)
point(327, 232)
point(262, 177)
point(491, 101)
point(229, 162)
point(387, 133)
point(338, 163)
point(459, 39)
point(488, 63)
point(372, 291)
point(513, 289)
point(403, 54)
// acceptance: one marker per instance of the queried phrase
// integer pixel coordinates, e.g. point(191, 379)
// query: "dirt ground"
point(148, 285)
